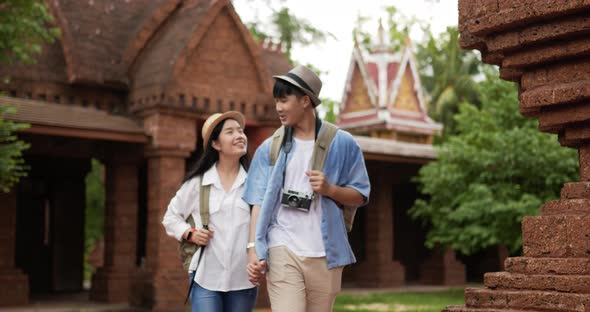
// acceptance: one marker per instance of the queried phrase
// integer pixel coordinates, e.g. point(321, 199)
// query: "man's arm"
point(343, 195)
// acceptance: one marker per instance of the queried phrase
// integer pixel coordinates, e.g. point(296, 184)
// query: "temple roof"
point(383, 91)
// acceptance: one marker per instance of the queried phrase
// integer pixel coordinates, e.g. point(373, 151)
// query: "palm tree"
point(448, 74)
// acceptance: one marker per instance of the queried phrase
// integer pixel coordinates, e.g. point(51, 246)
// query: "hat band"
point(301, 82)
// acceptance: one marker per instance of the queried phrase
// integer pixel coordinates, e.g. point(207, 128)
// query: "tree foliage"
point(448, 75)
point(23, 29)
point(495, 170)
point(286, 27)
point(12, 166)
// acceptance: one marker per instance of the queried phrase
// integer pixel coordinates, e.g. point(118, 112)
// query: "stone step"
point(575, 206)
point(543, 266)
point(556, 236)
point(526, 300)
point(576, 190)
point(468, 309)
point(560, 283)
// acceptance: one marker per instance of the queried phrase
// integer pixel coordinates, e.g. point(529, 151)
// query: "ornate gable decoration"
point(383, 96)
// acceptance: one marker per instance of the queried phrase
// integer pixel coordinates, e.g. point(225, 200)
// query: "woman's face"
point(231, 141)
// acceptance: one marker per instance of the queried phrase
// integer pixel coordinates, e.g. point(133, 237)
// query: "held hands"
point(201, 237)
point(319, 183)
point(256, 268)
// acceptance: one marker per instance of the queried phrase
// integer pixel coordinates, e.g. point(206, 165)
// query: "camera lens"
point(293, 201)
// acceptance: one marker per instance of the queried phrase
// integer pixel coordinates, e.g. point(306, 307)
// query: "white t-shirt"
point(298, 230)
point(224, 262)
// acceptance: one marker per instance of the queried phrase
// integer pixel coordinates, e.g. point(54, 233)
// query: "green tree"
point(95, 201)
point(12, 166)
point(448, 75)
point(286, 27)
point(23, 28)
point(495, 170)
point(328, 108)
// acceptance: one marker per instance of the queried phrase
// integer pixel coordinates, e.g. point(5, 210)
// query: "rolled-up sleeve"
point(354, 174)
point(258, 175)
point(178, 210)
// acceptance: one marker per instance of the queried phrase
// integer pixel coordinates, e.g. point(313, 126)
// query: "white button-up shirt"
point(224, 262)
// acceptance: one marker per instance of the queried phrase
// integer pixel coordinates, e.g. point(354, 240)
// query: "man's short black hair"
point(283, 89)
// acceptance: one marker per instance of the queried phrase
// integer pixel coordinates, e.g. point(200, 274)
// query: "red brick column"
point(162, 283)
point(544, 46)
point(112, 281)
point(14, 285)
point(379, 268)
point(442, 268)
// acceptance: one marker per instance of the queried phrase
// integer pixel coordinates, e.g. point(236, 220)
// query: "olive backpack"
point(187, 249)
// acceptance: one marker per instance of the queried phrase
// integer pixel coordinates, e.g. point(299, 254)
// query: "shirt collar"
point(211, 176)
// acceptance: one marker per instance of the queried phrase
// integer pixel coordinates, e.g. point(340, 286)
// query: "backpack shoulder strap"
point(322, 145)
point(204, 203)
point(275, 146)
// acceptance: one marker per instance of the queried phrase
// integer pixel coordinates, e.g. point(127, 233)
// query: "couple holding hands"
point(280, 217)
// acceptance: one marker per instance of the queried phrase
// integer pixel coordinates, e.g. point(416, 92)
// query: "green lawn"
point(399, 301)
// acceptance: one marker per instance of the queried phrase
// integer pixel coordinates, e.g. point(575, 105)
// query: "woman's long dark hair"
point(211, 156)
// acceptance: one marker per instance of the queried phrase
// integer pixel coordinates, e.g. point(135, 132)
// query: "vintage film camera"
point(298, 200)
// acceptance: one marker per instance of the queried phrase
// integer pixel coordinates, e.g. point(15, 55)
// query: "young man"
point(303, 242)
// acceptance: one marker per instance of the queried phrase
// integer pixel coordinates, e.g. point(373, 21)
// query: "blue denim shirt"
point(344, 166)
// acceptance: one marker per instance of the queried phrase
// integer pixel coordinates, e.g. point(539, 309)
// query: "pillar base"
point(159, 291)
point(14, 288)
point(392, 274)
point(111, 285)
point(442, 269)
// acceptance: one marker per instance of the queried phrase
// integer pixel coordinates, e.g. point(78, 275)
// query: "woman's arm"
point(256, 268)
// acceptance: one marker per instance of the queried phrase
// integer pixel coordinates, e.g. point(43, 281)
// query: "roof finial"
point(380, 32)
point(381, 43)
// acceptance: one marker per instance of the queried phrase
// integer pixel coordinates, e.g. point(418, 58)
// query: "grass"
point(399, 301)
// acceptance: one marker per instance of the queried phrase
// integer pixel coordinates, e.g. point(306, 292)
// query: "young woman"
point(219, 279)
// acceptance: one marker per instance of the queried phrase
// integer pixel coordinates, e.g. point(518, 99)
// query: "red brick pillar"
point(544, 46)
point(442, 268)
point(162, 284)
point(14, 285)
point(112, 281)
point(163, 281)
point(379, 269)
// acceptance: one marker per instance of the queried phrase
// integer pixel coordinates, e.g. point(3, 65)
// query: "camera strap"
point(288, 142)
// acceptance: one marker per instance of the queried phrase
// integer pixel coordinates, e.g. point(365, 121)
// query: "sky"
point(337, 17)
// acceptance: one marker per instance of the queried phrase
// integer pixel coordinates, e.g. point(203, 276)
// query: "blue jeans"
point(203, 300)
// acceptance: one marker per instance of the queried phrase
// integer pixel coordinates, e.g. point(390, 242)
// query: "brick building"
point(128, 83)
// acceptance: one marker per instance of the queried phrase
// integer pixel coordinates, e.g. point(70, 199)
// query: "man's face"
point(290, 109)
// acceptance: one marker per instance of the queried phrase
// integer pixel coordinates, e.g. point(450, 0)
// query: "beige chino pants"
point(301, 284)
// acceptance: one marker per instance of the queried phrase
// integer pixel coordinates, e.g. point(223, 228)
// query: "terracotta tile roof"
point(276, 62)
point(170, 41)
point(39, 113)
point(98, 32)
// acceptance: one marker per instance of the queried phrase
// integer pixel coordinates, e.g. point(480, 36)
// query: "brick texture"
point(542, 45)
point(14, 285)
point(442, 268)
point(162, 284)
point(112, 281)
